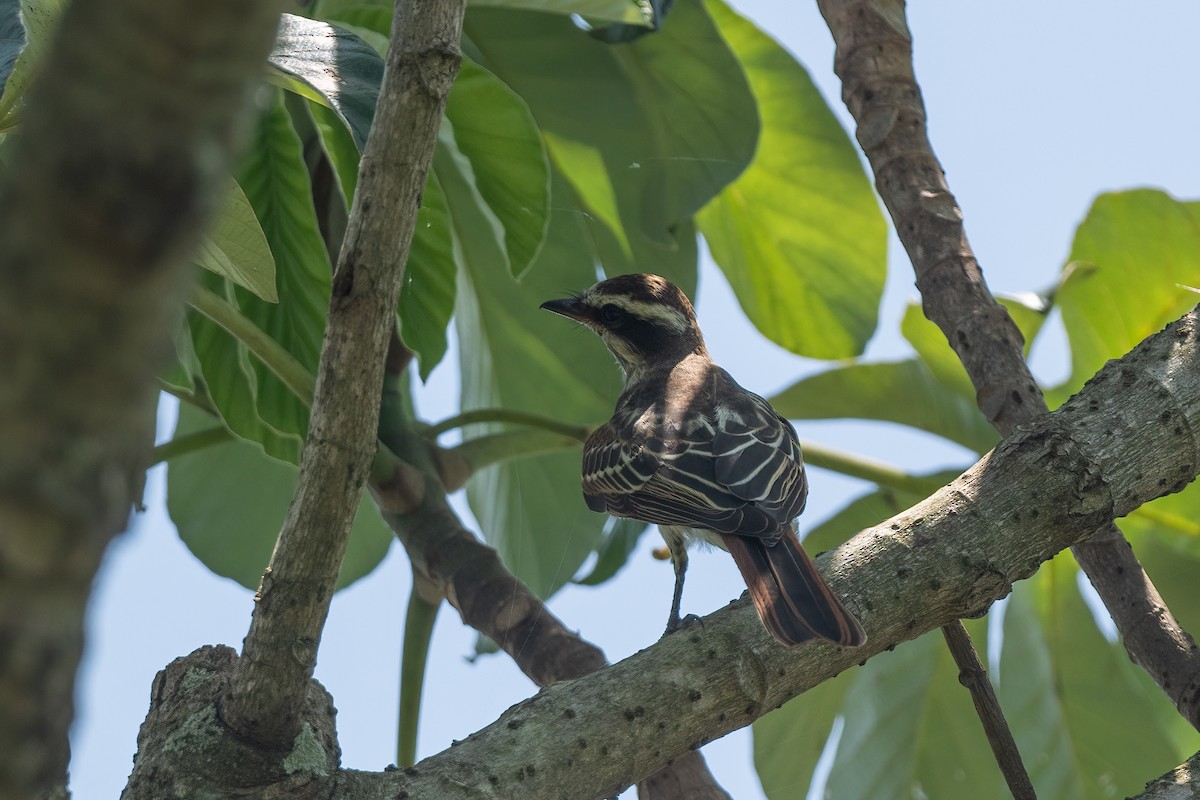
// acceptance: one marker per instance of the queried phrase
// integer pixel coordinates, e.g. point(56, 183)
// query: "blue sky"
point(1034, 108)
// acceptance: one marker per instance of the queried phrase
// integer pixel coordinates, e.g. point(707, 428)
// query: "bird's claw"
point(677, 623)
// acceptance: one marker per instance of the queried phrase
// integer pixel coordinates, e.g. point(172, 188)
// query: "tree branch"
point(272, 677)
point(128, 135)
point(1131, 435)
point(874, 61)
point(449, 561)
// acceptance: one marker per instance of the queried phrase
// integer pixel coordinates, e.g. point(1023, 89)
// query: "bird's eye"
point(611, 314)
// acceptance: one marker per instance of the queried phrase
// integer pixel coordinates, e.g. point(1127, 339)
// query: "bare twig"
point(118, 170)
point(874, 61)
point(973, 676)
point(272, 676)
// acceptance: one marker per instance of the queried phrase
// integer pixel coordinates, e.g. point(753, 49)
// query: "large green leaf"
point(495, 146)
point(255, 404)
point(1116, 727)
point(789, 741)
point(237, 247)
point(911, 730)
point(228, 502)
point(903, 391)
point(621, 537)
point(646, 132)
point(799, 234)
point(516, 356)
point(427, 297)
point(1131, 258)
point(496, 134)
point(330, 65)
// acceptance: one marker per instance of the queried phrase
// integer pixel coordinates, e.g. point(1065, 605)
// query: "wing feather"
point(729, 471)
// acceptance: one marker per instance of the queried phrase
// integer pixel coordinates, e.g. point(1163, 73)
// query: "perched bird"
point(690, 450)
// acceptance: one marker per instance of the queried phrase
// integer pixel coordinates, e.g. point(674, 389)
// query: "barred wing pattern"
point(731, 470)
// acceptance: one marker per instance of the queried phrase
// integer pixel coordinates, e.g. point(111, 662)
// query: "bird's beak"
point(570, 308)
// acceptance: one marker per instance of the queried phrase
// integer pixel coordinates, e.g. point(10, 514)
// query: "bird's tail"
point(793, 600)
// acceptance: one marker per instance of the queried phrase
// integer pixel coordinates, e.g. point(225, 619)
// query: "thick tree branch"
point(1131, 435)
point(127, 139)
point(272, 677)
point(874, 61)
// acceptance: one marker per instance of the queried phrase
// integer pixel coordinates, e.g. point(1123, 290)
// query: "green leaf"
point(620, 540)
point(1116, 728)
point(789, 740)
point(339, 147)
point(904, 391)
point(935, 352)
point(39, 19)
point(1123, 280)
point(646, 132)
point(911, 730)
point(330, 65)
point(799, 234)
point(181, 372)
point(427, 297)
point(496, 134)
point(518, 357)
point(237, 248)
point(253, 403)
point(631, 12)
point(228, 503)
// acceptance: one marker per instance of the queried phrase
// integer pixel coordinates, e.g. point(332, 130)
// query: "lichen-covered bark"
point(127, 136)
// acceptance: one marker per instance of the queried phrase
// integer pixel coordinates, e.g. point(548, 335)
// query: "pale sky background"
point(1034, 108)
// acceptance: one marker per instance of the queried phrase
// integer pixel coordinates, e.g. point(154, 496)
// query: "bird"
point(688, 449)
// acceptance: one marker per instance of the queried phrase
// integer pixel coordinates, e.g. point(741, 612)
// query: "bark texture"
point(127, 138)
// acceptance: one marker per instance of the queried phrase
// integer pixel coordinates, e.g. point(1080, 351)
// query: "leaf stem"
point(868, 469)
point(579, 432)
point(418, 630)
point(270, 352)
point(190, 443)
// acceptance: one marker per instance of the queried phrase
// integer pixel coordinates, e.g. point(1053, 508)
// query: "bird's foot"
point(677, 623)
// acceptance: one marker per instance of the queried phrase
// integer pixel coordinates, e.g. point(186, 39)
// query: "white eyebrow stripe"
point(655, 312)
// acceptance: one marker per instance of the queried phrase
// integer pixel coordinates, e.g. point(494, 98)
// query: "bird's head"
point(646, 321)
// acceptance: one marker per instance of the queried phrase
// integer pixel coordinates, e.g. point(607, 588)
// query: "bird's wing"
point(645, 471)
point(615, 467)
point(756, 457)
